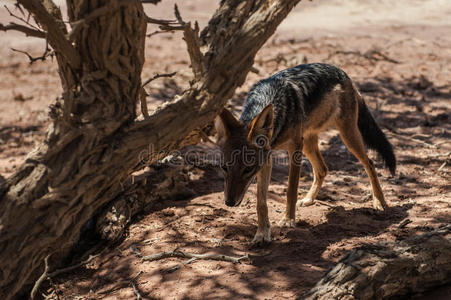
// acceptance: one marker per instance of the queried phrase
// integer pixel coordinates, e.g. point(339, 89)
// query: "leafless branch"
point(24, 29)
point(164, 23)
point(144, 109)
point(191, 37)
point(178, 16)
point(47, 53)
point(55, 34)
point(158, 32)
point(158, 76)
point(27, 21)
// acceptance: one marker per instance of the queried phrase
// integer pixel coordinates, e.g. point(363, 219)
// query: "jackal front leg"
point(263, 234)
point(295, 152)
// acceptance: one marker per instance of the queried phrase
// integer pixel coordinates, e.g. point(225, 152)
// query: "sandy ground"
point(399, 53)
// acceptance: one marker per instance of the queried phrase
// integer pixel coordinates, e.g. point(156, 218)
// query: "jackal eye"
point(248, 170)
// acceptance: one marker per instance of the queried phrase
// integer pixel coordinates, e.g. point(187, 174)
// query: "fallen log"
point(389, 270)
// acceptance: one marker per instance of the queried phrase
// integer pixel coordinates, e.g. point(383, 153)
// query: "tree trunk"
point(95, 141)
point(387, 271)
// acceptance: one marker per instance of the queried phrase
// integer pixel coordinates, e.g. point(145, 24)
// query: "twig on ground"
point(54, 294)
point(120, 285)
point(41, 279)
point(192, 257)
point(443, 142)
point(279, 58)
point(323, 203)
point(68, 269)
point(371, 55)
point(442, 166)
point(135, 289)
point(404, 223)
point(178, 266)
point(439, 154)
point(412, 139)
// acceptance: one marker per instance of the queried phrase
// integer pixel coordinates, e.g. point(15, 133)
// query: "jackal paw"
point(379, 205)
point(306, 202)
point(261, 238)
point(287, 222)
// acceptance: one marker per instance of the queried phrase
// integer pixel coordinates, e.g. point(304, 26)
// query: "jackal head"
point(245, 149)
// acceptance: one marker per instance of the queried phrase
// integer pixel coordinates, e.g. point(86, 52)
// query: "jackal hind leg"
point(313, 154)
point(263, 234)
point(354, 142)
point(295, 152)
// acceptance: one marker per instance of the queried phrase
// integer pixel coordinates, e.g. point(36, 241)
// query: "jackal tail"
point(374, 138)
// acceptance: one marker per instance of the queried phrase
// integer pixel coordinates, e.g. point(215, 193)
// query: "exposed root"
point(68, 269)
point(192, 257)
point(41, 279)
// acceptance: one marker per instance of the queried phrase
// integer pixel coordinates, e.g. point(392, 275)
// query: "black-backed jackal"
point(287, 111)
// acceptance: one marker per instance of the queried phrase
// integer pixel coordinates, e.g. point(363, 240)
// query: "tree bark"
point(95, 140)
point(391, 270)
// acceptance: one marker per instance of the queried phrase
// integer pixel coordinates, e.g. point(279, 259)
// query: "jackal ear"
point(225, 123)
point(261, 128)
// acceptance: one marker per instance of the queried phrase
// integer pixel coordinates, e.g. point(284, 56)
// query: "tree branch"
point(55, 34)
point(158, 76)
point(24, 29)
point(191, 37)
point(164, 23)
point(32, 59)
point(228, 61)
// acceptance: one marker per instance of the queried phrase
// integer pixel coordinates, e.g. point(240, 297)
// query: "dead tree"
point(95, 140)
point(391, 270)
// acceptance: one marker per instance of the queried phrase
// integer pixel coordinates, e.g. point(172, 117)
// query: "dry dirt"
point(399, 53)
